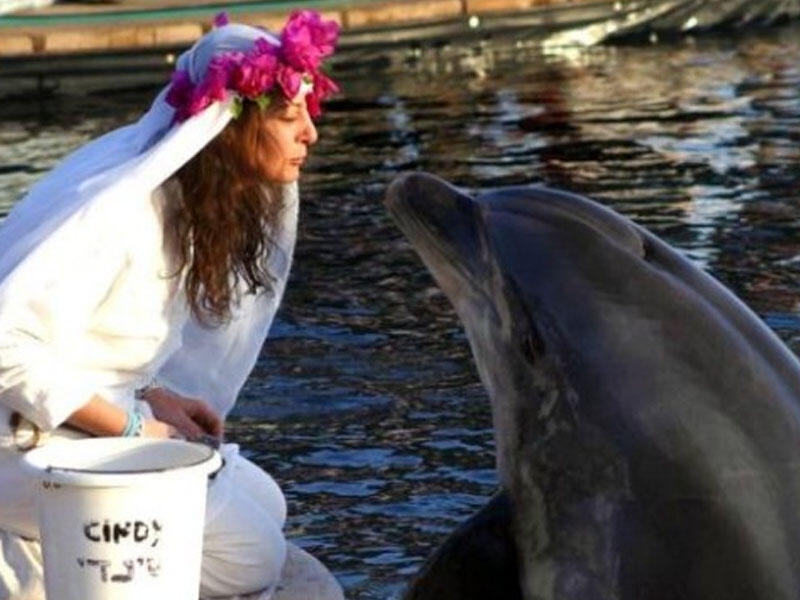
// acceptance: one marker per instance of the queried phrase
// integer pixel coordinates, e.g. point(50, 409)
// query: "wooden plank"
point(11, 45)
point(402, 12)
point(484, 6)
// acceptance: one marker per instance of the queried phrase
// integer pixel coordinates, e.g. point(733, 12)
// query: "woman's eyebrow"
point(291, 110)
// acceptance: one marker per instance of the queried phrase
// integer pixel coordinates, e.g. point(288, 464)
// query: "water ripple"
point(365, 404)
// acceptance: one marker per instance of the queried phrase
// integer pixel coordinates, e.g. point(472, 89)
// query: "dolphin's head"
point(630, 392)
point(446, 229)
point(532, 273)
point(515, 236)
point(515, 251)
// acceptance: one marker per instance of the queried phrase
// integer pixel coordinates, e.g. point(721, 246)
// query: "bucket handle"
point(213, 475)
point(214, 443)
point(22, 427)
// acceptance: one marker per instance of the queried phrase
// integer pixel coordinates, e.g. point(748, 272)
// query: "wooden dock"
point(98, 26)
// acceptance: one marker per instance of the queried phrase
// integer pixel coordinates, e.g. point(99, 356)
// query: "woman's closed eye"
point(291, 112)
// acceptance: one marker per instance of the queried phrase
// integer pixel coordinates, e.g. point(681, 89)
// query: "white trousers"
point(243, 545)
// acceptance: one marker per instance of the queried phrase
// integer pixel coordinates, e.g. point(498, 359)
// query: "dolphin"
point(646, 422)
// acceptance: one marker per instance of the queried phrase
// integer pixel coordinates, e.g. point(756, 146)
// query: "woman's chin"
point(285, 176)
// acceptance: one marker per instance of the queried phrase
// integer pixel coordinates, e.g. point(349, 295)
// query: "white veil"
point(135, 158)
point(130, 163)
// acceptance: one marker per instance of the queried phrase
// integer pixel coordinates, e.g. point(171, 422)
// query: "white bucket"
point(122, 518)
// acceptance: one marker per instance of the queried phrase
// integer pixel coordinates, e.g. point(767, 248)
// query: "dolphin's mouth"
point(440, 222)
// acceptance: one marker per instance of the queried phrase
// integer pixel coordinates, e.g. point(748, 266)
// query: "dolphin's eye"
point(532, 345)
point(648, 252)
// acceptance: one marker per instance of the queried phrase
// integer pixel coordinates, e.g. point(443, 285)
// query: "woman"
point(139, 278)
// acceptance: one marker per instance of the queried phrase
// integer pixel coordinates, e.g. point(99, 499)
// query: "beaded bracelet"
point(135, 425)
point(142, 392)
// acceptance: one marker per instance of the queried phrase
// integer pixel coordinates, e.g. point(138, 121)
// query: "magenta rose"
point(221, 19)
point(324, 87)
point(307, 39)
point(217, 77)
point(290, 80)
point(254, 75)
point(180, 88)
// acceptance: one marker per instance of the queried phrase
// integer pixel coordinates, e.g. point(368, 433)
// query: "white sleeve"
point(214, 363)
point(45, 302)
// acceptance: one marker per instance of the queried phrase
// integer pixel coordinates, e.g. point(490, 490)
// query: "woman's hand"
point(189, 417)
point(153, 428)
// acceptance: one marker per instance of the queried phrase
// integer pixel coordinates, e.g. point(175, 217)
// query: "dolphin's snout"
point(441, 222)
point(438, 206)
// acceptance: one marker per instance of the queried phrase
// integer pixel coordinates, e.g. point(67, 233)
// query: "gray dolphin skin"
point(647, 423)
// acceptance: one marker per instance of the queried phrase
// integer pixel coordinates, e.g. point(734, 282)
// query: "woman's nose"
point(308, 134)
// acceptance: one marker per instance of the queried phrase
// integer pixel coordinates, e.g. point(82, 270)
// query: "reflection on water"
point(365, 404)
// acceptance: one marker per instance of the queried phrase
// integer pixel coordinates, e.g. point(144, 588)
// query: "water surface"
point(365, 404)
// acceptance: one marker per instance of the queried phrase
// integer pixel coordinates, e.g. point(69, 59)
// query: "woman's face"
point(288, 133)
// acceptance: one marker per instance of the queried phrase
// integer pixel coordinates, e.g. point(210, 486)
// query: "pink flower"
point(290, 80)
point(307, 39)
point(266, 69)
point(210, 90)
point(221, 19)
point(254, 75)
point(314, 106)
point(180, 88)
point(264, 46)
point(324, 87)
point(189, 99)
point(180, 94)
point(198, 101)
point(218, 76)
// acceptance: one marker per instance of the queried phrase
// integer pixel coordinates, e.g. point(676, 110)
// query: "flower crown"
point(291, 68)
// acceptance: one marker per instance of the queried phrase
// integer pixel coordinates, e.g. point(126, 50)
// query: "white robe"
point(95, 311)
point(87, 307)
point(91, 309)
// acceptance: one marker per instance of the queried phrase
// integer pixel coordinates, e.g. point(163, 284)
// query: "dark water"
point(365, 404)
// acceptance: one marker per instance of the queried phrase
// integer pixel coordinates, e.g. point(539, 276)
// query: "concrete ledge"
point(16, 44)
point(148, 32)
point(402, 12)
point(484, 6)
point(176, 33)
point(275, 20)
point(113, 38)
point(303, 578)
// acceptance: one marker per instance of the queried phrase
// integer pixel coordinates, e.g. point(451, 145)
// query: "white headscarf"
point(129, 163)
point(135, 158)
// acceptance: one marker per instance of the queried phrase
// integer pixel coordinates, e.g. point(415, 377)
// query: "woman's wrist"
point(99, 417)
point(102, 418)
point(134, 427)
point(144, 392)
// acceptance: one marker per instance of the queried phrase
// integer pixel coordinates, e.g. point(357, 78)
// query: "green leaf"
point(264, 101)
point(236, 107)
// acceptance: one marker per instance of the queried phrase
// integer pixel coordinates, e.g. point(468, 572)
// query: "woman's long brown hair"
point(223, 218)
